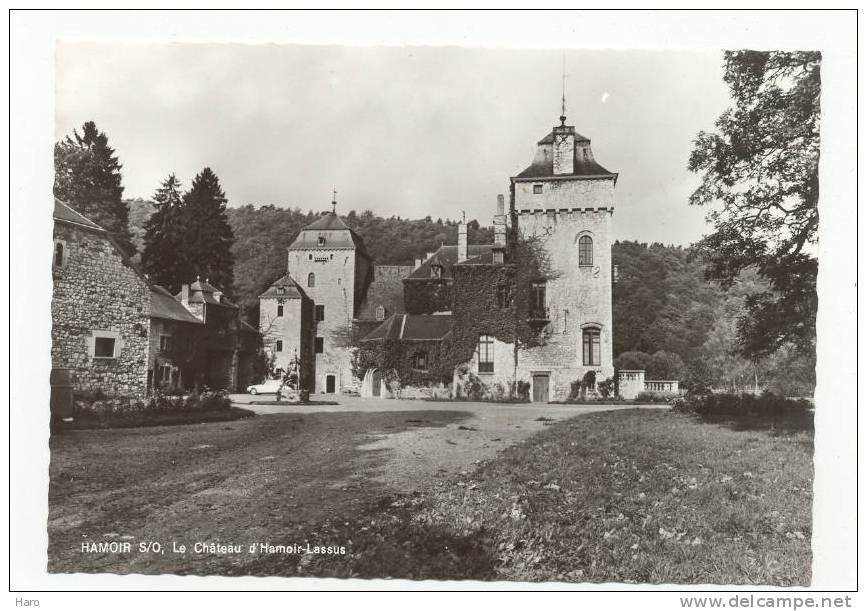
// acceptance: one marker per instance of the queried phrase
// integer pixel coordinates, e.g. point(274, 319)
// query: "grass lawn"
point(639, 495)
point(635, 496)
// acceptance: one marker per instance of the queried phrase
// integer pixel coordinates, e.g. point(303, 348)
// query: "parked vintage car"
point(266, 387)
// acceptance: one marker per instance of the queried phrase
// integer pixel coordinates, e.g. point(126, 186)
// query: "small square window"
point(537, 189)
point(103, 348)
point(322, 240)
point(318, 345)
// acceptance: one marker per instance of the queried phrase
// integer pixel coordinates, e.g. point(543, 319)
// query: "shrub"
point(522, 390)
point(648, 396)
point(767, 406)
point(474, 388)
point(214, 401)
point(606, 387)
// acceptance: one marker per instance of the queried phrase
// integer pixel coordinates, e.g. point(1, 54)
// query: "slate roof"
point(485, 258)
point(447, 256)
point(291, 289)
point(337, 234)
point(549, 139)
point(386, 289)
point(202, 292)
point(583, 162)
point(581, 167)
point(165, 306)
point(63, 212)
point(412, 327)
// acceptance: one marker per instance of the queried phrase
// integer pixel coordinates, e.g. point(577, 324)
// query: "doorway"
point(376, 382)
point(329, 384)
point(540, 387)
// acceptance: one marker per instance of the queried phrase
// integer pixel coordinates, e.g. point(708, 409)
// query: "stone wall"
point(630, 383)
point(95, 291)
point(564, 194)
point(578, 297)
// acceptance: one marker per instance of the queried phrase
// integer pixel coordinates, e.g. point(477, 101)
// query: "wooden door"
point(376, 382)
point(329, 384)
point(540, 388)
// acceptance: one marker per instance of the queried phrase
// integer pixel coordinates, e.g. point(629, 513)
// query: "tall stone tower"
point(329, 263)
point(567, 199)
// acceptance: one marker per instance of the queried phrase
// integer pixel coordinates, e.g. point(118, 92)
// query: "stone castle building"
point(100, 309)
point(564, 198)
point(117, 333)
point(310, 312)
point(567, 199)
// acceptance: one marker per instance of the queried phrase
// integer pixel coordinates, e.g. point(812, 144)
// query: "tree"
point(163, 237)
point(761, 168)
point(205, 248)
point(87, 177)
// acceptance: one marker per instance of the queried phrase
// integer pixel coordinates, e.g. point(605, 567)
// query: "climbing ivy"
point(485, 299)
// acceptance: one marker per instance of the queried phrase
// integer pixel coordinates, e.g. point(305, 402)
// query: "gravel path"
point(413, 458)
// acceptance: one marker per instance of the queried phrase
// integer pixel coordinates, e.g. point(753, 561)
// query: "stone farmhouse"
point(332, 290)
point(116, 332)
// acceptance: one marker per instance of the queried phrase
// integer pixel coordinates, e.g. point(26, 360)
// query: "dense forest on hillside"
point(663, 305)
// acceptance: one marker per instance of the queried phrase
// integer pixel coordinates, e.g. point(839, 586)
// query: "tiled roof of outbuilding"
point(165, 306)
point(412, 327)
point(62, 212)
point(447, 256)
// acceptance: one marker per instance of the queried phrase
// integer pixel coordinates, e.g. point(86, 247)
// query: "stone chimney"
point(418, 261)
point(564, 148)
point(462, 239)
point(185, 295)
point(500, 222)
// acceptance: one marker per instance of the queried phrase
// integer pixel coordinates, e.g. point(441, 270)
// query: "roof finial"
point(333, 201)
point(563, 106)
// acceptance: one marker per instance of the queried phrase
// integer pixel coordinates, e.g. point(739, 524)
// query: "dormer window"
point(322, 240)
point(436, 271)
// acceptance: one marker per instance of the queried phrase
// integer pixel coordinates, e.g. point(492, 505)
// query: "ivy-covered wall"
point(397, 357)
point(426, 296)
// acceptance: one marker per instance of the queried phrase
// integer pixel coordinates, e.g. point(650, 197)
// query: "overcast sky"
point(410, 131)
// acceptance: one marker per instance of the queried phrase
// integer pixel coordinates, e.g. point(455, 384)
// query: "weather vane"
point(563, 106)
point(334, 200)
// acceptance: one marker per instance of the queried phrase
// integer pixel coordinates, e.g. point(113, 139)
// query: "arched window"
point(311, 280)
point(380, 313)
point(58, 254)
point(592, 346)
point(585, 250)
point(279, 311)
